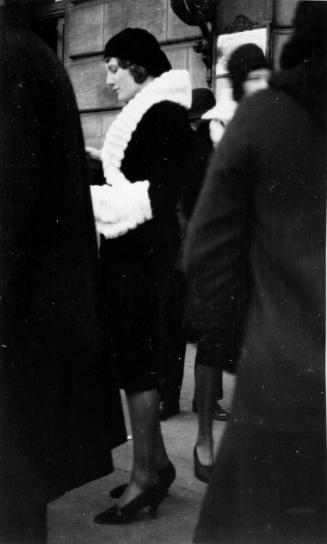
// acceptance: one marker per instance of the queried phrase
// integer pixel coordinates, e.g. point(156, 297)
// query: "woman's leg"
point(205, 393)
point(149, 452)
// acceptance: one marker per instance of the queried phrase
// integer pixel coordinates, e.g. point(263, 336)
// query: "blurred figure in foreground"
point(59, 410)
point(262, 211)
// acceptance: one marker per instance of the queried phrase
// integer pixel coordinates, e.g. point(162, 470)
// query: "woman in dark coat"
point(145, 160)
point(59, 406)
point(263, 207)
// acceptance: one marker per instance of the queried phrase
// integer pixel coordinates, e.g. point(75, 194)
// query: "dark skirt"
point(136, 284)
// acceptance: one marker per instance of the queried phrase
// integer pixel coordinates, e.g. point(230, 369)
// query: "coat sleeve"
point(216, 244)
point(167, 153)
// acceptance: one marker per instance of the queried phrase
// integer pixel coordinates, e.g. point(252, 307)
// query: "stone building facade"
point(78, 30)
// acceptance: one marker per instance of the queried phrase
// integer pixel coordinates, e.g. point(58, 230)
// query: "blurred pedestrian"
point(202, 100)
point(59, 408)
point(248, 70)
point(174, 307)
point(208, 368)
point(263, 211)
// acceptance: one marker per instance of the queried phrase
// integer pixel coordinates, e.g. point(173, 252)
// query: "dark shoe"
point(115, 515)
point(166, 476)
point(168, 409)
point(202, 472)
point(219, 413)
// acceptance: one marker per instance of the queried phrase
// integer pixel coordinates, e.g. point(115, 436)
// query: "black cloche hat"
point(139, 47)
point(202, 100)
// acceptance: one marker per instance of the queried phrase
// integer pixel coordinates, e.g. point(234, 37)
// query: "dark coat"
point(138, 264)
point(203, 149)
point(262, 210)
point(60, 409)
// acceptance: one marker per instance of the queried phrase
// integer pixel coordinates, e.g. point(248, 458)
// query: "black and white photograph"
point(163, 170)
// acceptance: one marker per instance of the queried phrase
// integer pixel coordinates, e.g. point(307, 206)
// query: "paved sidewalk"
point(71, 516)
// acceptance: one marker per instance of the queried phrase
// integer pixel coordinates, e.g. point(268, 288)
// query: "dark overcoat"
point(262, 210)
point(60, 408)
point(138, 265)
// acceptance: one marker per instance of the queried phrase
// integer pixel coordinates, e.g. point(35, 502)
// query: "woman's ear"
point(139, 73)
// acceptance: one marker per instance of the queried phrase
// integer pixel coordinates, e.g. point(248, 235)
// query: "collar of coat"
point(120, 206)
point(174, 86)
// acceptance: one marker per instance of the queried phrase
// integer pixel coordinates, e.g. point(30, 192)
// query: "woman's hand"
point(95, 153)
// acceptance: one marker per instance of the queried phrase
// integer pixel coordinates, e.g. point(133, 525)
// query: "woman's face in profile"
point(121, 80)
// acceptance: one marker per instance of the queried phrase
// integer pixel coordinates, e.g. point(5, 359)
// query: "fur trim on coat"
point(121, 205)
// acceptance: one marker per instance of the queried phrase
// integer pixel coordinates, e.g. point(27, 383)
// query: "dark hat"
point(139, 47)
point(310, 36)
point(202, 101)
point(243, 60)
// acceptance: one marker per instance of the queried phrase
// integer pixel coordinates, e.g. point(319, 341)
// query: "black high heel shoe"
point(166, 476)
point(116, 515)
point(202, 472)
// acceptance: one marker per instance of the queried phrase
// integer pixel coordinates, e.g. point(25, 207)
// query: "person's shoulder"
point(29, 54)
point(167, 109)
point(263, 102)
point(259, 110)
point(165, 116)
point(22, 39)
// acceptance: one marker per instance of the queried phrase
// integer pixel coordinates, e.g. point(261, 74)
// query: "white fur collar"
point(173, 85)
point(120, 206)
